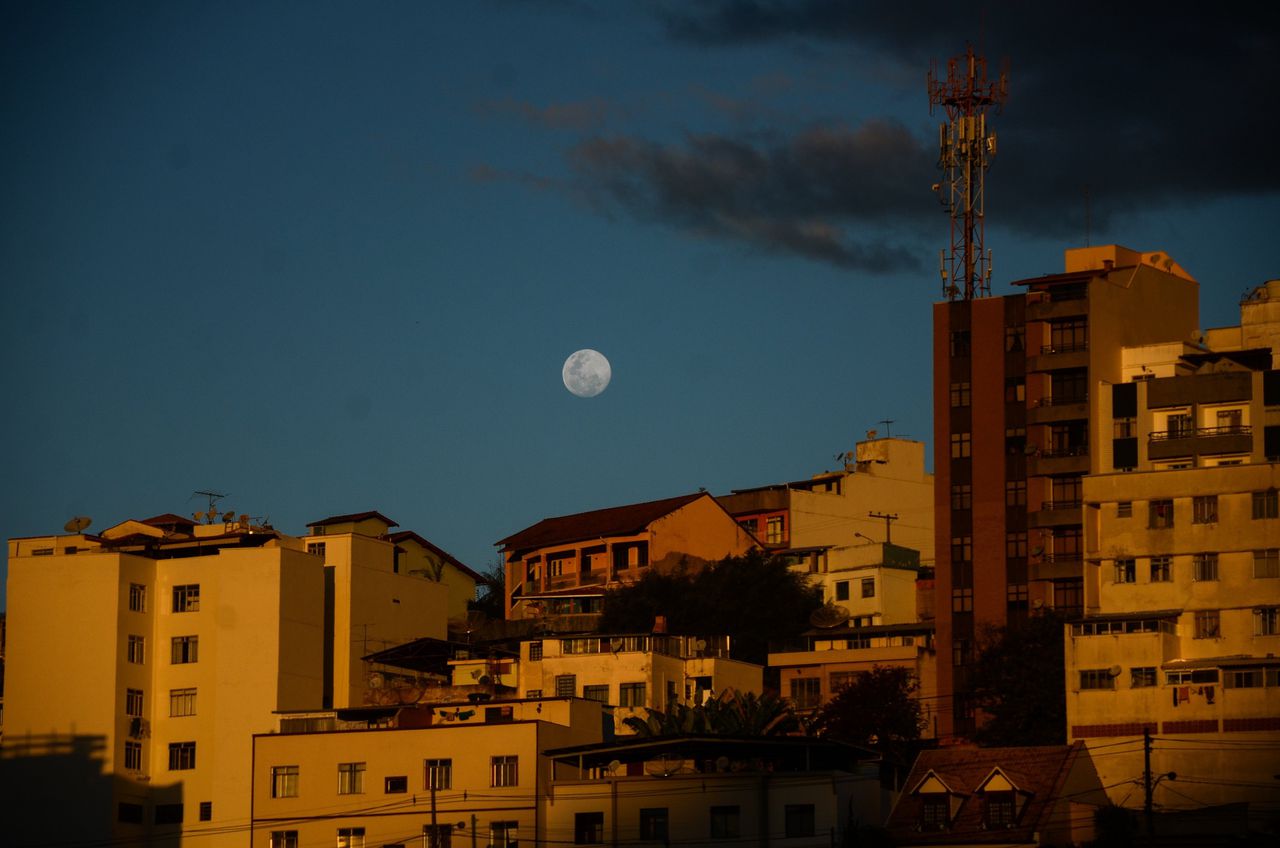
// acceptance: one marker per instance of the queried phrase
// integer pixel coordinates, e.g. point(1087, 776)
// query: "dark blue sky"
point(330, 257)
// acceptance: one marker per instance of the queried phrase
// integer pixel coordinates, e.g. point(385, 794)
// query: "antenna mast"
point(964, 153)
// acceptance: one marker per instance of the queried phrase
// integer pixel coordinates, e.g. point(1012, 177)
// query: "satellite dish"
point(227, 516)
point(1114, 671)
point(828, 616)
point(614, 766)
point(699, 645)
point(77, 524)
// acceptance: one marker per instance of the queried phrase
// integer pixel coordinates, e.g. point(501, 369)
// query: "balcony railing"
point(1070, 347)
point(1061, 505)
point(1063, 401)
point(1068, 450)
point(1199, 432)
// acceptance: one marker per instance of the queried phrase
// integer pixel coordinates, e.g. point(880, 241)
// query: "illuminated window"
point(960, 394)
point(504, 771)
point(1126, 571)
point(439, 774)
point(284, 781)
point(961, 445)
point(351, 837)
point(350, 778)
point(284, 839)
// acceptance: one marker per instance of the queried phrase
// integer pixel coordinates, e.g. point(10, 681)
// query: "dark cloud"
point(1140, 109)
point(578, 115)
point(793, 195)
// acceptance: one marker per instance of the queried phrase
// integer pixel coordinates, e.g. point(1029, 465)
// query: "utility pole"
point(888, 517)
point(1148, 785)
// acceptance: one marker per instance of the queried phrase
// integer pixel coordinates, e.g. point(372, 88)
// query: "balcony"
point(1191, 441)
point(1052, 357)
point(1056, 567)
point(1056, 514)
point(1059, 302)
point(1072, 459)
point(1050, 410)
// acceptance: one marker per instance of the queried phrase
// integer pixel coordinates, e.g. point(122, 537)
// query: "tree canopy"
point(754, 599)
point(876, 710)
point(730, 713)
point(1018, 680)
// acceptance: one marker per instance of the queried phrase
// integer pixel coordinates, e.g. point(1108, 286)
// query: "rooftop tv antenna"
point(964, 153)
point(889, 518)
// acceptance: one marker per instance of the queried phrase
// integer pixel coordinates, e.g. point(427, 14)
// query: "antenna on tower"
point(964, 153)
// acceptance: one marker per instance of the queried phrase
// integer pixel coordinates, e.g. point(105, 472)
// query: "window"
point(1015, 545)
point(186, 598)
point(962, 549)
point(502, 834)
point(596, 693)
point(350, 778)
point(133, 702)
point(395, 784)
point(566, 685)
point(1124, 509)
point(842, 590)
point(1266, 504)
point(1126, 571)
point(1206, 624)
point(184, 649)
point(316, 549)
point(1068, 595)
point(1160, 514)
point(1266, 621)
point(1141, 677)
point(1229, 420)
point(998, 809)
point(724, 822)
point(533, 693)
point(284, 839)
point(868, 587)
point(1244, 679)
point(351, 837)
point(284, 781)
point(137, 597)
point(1123, 428)
point(133, 756)
point(182, 756)
point(129, 813)
point(168, 814)
point(959, 342)
point(1015, 339)
point(1204, 567)
point(806, 692)
point(1068, 335)
point(206, 811)
point(182, 702)
point(1015, 390)
point(1015, 493)
point(962, 496)
point(504, 771)
point(535, 651)
point(935, 811)
point(1266, 563)
point(440, 836)
point(1161, 569)
point(654, 823)
point(1200, 675)
point(799, 820)
point(961, 445)
point(962, 600)
point(137, 650)
point(1096, 678)
point(1204, 509)
point(588, 828)
point(631, 695)
point(1070, 385)
point(439, 774)
point(960, 394)
point(1180, 426)
point(774, 533)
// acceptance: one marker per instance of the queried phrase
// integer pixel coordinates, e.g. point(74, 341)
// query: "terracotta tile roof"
point(614, 521)
point(1039, 772)
point(353, 517)
point(397, 538)
point(167, 519)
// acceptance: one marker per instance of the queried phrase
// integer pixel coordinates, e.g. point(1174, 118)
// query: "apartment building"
point(817, 522)
point(1016, 430)
point(1182, 580)
point(558, 569)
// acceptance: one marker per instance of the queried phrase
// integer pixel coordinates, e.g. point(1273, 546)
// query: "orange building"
point(1013, 429)
point(560, 567)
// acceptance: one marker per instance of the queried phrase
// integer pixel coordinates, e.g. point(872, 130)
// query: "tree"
point(754, 599)
point(491, 592)
point(1018, 680)
point(731, 713)
point(876, 710)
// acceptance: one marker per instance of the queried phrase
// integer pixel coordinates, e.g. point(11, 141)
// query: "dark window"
point(631, 695)
point(206, 811)
point(1124, 453)
point(186, 598)
point(129, 813)
point(1266, 563)
point(439, 774)
point(724, 820)
point(182, 756)
point(806, 692)
point(799, 820)
point(1068, 335)
point(1266, 504)
point(284, 839)
point(1015, 390)
point(1207, 624)
point(1124, 509)
point(1204, 509)
point(599, 692)
point(1124, 400)
point(535, 651)
point(184, 649)
point(1015, 339)
point(962, 496)
point(440, 836)
point(498, 715)
point(997, 809)
point(1160, 514)
point(1069, 386)
point(395, 784)
point(1068, 595)
point(168, 814)
point(1141, 677)
point(1161, 569)
point(654, 823)
point(284, 781)
point(961, 394)
point(868, 587)
point(1204, 567)
point(935, 811)
point(960, 343)
point(1015, 493)
point(566, 685)
point(588, 828)
point(842, 590)
point(1126, 570)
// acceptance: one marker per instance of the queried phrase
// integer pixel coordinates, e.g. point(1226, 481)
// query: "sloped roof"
point(614, 521)
point(168, 519)
point(353, 517)
point(1039, 772)
point(397, 538)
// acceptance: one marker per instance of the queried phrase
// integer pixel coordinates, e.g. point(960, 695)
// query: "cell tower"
point(964, 154)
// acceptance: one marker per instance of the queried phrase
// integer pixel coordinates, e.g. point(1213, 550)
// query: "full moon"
point(586, 373)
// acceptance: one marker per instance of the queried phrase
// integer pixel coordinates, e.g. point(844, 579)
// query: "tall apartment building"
point(143, 659)
point(1014, 435)
point(1181, 631)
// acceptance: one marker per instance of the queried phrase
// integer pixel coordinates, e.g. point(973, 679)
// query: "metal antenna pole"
point(888, 517)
